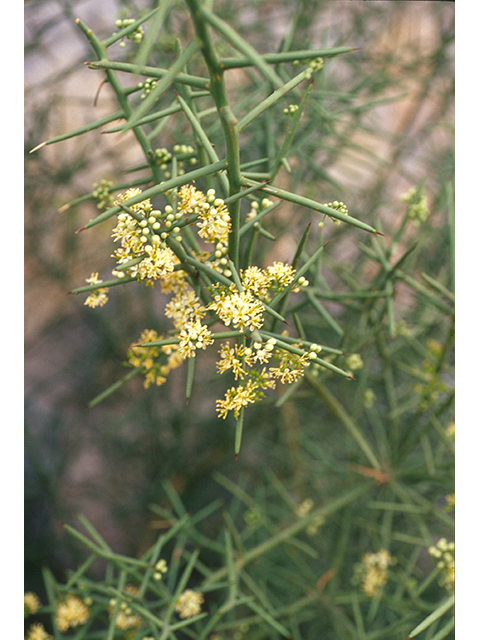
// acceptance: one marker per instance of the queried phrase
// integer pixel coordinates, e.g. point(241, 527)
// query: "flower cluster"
point(136, 36)
point(372, 572)
point(102, 193)
point(337, 206)
point(291, 109)
point(146, 252)
point(147, 358)
point(71, 612)
point(143, 253)
point(97, 297)
point(125, 617)
point(416, 200)
point(354, 361)
point(255, 206)
point(431, 384)
point(189, 604)
point(31, 603)
point(160, 568)
point(253, 382)
point(314, 64)
point(37, 632)
point(444, 552)
point(163, 157)
point(147, 85)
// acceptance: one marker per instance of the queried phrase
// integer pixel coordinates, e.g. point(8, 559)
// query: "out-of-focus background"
point(109, 462)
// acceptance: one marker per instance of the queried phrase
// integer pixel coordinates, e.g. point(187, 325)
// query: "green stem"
point(227, 118)
point(311, 204)
point(101, 52)
point(287, 56)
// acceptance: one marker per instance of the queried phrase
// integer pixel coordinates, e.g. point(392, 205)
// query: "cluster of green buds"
point(416, 200)
point(103, 193)
point(186, 152)
point(444, 552)
point(255, 206)
point(162, 157)
point(314, 64)
point(290, 110)
point(337, 206)
point(147, 85)
point(136, 36)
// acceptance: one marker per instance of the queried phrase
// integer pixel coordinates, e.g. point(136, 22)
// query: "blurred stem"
point(338, 411)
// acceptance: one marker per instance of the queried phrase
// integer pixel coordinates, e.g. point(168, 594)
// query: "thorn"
point(187, 401)
point(39, 146)
point(236, 457)
point(359, 49)
point(81, 229)
point(326, 244)
point(98, 92)
point(379, 234)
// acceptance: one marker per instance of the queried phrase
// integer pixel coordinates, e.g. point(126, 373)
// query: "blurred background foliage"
point(381, 121)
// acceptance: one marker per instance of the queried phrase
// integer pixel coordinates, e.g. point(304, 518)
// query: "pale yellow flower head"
point(71, 612)
point(189, 604)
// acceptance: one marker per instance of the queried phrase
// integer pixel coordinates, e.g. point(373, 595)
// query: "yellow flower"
point(71, 612)
point(189, 604)
point(241, 396)
point(97, 297)
point(354, 362)
point(37, 632)
point(126, 618)
point(240, 309)
point(31, 603)
point(444, 552)
point(192, 337)
point(373, 571)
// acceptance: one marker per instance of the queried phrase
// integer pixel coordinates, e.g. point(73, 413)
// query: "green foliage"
point(325, 531)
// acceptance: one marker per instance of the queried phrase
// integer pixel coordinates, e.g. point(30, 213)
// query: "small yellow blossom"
point(97, 297)
point(149, 358)
point(184, 307)
point(31, 603)
point(131, 193)
point(71, 612)
point(354, 362)
point(239, 309)
point(192, 337)
point(160, 261)
point(241, 396)
point(281, 274)
point(125, 618)
point(37, 632)
point(304, 508)
point(372, 573)
point(444, 552)
point(416, 200)
point(189, 604)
